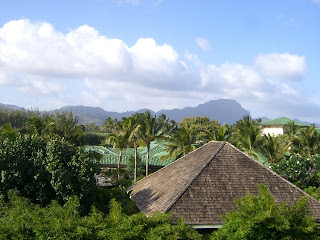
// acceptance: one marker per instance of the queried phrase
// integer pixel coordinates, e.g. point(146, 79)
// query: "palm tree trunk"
point(147, 159)
point(135, 164)
point(119, 161)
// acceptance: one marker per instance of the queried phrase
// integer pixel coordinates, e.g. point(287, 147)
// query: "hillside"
point(223, 110)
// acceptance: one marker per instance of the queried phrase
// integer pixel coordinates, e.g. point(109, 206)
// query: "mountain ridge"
point(222, 110)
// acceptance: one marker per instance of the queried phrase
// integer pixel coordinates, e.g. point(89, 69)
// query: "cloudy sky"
point(162, 54)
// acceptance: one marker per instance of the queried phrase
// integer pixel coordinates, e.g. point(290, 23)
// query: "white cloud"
point(284, 66)
point(203, 43)
point(84, 67)
point(37, 49)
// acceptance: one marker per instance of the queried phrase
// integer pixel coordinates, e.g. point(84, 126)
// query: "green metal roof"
point(282, 121)
point(110, 155)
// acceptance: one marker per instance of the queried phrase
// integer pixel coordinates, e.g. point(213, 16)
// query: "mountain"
point(223, 110)
point(316, 124)
point(97, 115)
point(9, 106)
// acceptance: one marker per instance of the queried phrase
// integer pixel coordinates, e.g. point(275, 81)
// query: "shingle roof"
point(201, 186)
point(282, 121)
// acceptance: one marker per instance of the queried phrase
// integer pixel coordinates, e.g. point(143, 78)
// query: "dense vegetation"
point(260, 217)
point(48, 190)
point(19, 219)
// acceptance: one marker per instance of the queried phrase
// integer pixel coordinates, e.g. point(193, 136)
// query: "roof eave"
point(206, 226)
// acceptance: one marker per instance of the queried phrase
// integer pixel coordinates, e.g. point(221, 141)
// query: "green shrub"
point(303, 171)
point(47, 169)
point(20, 219)
point(260, 217)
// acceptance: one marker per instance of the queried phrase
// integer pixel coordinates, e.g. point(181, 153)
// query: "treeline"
point(246, 134)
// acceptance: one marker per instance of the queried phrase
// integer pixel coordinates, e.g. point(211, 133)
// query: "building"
point(276, 127)
point(110, 156)
point(202, 185)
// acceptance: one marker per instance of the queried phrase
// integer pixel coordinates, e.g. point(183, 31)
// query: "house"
point(202, 185)
point(276, 127)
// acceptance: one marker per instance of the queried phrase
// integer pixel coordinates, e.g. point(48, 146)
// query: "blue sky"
point(162, 54)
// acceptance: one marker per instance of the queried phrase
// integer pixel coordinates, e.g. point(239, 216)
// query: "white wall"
point(273, 130)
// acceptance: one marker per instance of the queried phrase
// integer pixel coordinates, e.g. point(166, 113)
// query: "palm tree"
point(180, 144)
point(221, 133)
point(274, 147)
point(292, 131)
point(134, 139)
point(247, 135)
point(41, 125)
point(150, 130)
point(123, 138)
point(120, 142)
point(309, 140)
point(111, 125)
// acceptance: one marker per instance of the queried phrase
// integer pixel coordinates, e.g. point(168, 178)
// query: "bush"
point(303, 171)
point(19, 219)
point(45, 170)
point(260, 217)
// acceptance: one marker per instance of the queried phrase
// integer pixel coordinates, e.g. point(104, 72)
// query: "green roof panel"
point(111, 155)
point(282, 121)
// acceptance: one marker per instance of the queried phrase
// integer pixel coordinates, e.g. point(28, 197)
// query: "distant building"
point(276, 127)
point(203, 184)
point(110, 156)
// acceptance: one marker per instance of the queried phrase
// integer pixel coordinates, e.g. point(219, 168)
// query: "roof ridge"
point(196, 176)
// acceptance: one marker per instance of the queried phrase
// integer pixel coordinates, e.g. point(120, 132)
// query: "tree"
point(247, 135)
point(150, 129)
point(111, 125)
point(123, 138)
point(134, 139)
point(6, 131)
point(221, 133)
point(119, 141)
point(47, 169)
point(66, 126)
point(200, 127)
point(274, 147)
point(180, 144)
point(309, 140)
point(42, 125)
point(17, 118)
point(291, 131)
point(260, 217)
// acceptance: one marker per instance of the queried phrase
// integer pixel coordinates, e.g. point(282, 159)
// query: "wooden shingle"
point(202, 185)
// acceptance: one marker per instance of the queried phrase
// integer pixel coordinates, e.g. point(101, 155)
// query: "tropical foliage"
point(20, 219)
point(179, 144)
point(303, 171)
point(260, 217)
point(247, 135)
point(45, 170)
